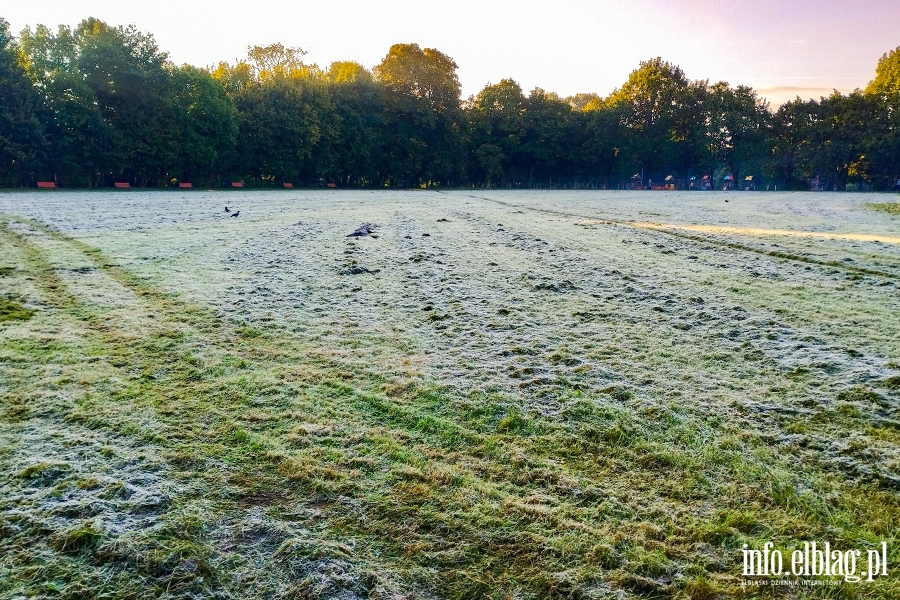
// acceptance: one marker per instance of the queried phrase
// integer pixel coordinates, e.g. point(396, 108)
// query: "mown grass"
point(420, 491)
point(11, 310)
point(888, 207)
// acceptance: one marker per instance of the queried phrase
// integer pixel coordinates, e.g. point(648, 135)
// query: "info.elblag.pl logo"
point(815, 560)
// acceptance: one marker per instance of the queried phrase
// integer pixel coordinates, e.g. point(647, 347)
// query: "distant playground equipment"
point(636, 183)
point(668, 184)
point(705, 183)
point(727, 182)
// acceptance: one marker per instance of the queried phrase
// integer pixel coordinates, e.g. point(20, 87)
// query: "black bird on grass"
point(363, 231)
point(226, 209)
point(236, 213)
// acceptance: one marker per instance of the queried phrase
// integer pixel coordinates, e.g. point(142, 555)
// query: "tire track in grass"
point(318, 477)
point(87, 501)
point(315, 474)
point(259, 481)
point(107, 529)
point(375, 494)
point(661, 228)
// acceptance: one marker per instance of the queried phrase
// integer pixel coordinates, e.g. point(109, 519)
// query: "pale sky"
point(780, 47)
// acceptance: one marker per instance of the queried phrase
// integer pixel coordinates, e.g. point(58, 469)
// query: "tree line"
point(96, 104)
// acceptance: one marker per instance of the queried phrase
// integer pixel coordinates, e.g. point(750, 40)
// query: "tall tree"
point(288, 127)
point(550, 130)
point(423, 116)
point(79, 139)
point(648, 104)
point(278, 130)
point(789, 142)
point(22, 142)
point(841, 136)
point(602, 140)
point(694, 152)
point(358, 102)
point(738, 122)
point(496, 129)
point(126, 72)
point(207, 123)
point(884, 147)
point(887, 75)
point(277, 60)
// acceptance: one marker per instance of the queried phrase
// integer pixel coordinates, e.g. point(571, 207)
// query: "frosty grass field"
point(503, 395)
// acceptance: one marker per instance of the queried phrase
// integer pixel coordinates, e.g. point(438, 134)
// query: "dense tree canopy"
point(738, 125)
point(358, 102)
point(423, 139)
point(887, 75)
point(648, 105)
point(497, 127)
point(22, 143)
point(99, 104)
point(78, 137)
point(207, 125)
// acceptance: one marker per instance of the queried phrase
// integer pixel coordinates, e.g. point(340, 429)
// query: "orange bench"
point(46, 184)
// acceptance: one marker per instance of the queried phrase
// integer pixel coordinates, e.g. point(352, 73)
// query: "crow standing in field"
point(364, 231)
point(235, 213)
point(360, 232)
point(226, 209)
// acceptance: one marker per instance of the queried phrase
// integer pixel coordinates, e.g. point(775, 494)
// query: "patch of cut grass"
point(11, 310)
point(892, 208)
point(861, 394)
point(44, 472)
point(76, 539)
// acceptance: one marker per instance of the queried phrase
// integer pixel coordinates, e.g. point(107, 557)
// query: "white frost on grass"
point(532, 295)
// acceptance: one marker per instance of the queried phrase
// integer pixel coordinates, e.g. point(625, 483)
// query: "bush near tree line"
point(94, 105)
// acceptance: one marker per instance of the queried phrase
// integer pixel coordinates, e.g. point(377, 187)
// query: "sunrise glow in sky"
point(782, 48)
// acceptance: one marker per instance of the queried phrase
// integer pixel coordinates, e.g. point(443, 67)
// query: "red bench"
point(46, 184)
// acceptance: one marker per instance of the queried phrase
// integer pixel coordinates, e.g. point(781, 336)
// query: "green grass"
point(11, 310)
point(384, 487)
point(888, 207)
